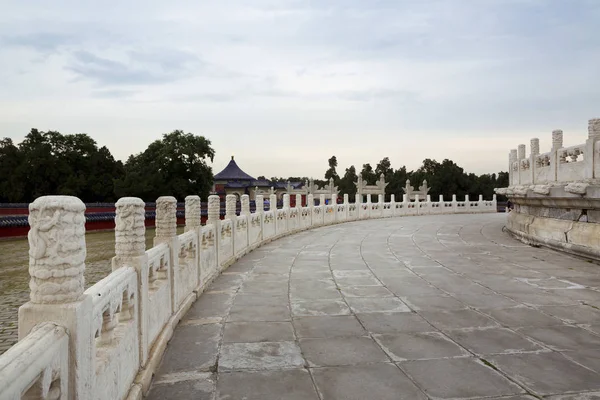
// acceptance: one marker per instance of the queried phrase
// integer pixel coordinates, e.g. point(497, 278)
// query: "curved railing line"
point(115, 333)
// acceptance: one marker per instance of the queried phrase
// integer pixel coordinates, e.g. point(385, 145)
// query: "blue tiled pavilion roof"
point(232, 172)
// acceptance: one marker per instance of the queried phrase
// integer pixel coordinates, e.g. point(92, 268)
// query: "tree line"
point(50, 163)
point(445, 178)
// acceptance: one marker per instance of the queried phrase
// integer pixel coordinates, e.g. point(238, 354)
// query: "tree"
point(11, 186)
point(347, 184)
point(331, 172)
point(176, 166)
point(368, 175)
point(47, 163)
point(384, 167)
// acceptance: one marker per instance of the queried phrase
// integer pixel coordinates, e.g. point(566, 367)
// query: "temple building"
point(232, 180)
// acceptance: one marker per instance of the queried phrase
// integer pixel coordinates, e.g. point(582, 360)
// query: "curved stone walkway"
point(404, 308)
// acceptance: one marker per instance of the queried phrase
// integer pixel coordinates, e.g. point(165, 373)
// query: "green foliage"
point(331, 172)
point(47, 163)
point(445, 178)
point(173, 166)
point(368, 174)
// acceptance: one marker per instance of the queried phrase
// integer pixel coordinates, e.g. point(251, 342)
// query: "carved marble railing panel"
point(225, 242)
point(156, 314)
point(293, 219)
point(208, 253)
point(37, 367)
point(341, 214)
point(281, 218)
point(116, 334)
point(329, 216)
point(364, 210)
point(412, 208)
point(186, 272)
point(318, 217)
point(305, 217)
point(423, 208)
point(542, 170)
point(241, 235)
point(268, 224)
point(387, 210)
point(376, 210)
point(570, 164)
point(352, 212)
point(399, 209)
point(255, 229)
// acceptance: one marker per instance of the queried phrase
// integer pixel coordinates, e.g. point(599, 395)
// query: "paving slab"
point(459, 378)
point(516, 317)
point(457, 319)
point(546, 373)
point(328, 352)
point(328, 326)
point(258, 332)
point(264, 355)
point(493, 341)
point(563, 337)
point(376, 381)
point(394, 322)
point(419, 346)
point(293, 384)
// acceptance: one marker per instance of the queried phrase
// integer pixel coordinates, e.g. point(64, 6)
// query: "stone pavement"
point(421, 307)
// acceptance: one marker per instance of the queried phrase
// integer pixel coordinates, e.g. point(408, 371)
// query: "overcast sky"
point(285, 84)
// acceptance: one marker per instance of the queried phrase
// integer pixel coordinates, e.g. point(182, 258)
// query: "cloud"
point(136, 68)
point(43, 42)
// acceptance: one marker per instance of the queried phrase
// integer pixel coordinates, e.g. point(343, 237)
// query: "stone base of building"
point(561, 220)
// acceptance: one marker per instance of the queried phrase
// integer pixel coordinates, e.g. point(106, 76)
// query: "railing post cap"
point(127, 201)
point(67, 203)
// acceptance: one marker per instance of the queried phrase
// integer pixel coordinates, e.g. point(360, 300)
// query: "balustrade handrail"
point(560, 165)
point(136, 307)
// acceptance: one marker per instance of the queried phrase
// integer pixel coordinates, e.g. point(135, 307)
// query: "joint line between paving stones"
point(296, 340)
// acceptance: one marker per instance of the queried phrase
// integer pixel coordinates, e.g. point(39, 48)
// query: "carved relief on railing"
point(158, 266)
point(115, 329)
point(542, 160)
point(192, 212)
point(56, 249)
point(37, 367)
point(571, 154)
point(166, 217)
point(226, 229)
point(130, 230)
point(208, 252)
point(524, 164)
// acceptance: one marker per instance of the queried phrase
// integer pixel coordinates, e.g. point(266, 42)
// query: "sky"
point(283, 84)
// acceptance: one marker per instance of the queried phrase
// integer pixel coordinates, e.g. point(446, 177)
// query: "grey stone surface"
point(493, 341)
point(293, 384)
point(258, 332)
point(394, 322)
point(547, 373)
point(457, 319)
point(265, 355)
point(459, 378)
point(328, 352)
point(419, 346)
point(376, 381)
point(348, 311)
point(563, 337)
point(320, 327)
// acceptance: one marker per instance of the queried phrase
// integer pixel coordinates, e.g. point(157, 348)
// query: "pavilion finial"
point(232, 158)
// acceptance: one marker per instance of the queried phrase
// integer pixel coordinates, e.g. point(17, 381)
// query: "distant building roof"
point(232, 172)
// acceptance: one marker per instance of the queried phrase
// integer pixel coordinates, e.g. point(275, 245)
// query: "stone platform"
point(402, 308)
